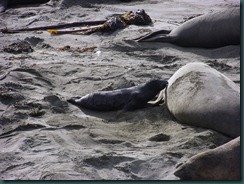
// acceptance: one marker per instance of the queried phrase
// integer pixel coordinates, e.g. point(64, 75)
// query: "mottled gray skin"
point(127, 99)
point(201, 96)
point(207, 31)
point(4, 4)
point(221, 163)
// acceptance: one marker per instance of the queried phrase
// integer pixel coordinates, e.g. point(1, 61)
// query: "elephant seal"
point(127, 99)
point(4, 4)
point(201, 96)
point(221, 163)
point(207, 31)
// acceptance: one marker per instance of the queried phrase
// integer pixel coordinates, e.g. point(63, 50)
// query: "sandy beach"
point(43, 137)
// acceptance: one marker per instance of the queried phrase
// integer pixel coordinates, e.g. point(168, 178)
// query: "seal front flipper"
point(160, 99)
point(74, 100)
point(158, 38)
point(152, 35)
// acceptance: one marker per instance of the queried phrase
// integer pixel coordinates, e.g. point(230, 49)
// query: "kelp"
point(119, 21)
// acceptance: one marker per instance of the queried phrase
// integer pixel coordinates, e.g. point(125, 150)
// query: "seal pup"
point(127, 99)
point(207, 31)
point(221, 163)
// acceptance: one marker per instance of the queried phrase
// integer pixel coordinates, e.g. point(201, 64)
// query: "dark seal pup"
point(127, 99)
point(207, 31)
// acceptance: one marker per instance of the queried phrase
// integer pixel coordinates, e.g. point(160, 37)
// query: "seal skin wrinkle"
point(207, 31)
point(127, 99)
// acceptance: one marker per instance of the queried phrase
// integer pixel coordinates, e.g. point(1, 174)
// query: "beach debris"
point(34, 41)
point(44, 28)
point(58, 32)
point(140, 17)
point(19, 47)
point(37, 42)
point(120, 21)
point(76, 49)
point(19, 58)
point(36, 112)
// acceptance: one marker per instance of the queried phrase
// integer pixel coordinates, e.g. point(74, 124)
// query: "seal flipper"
point(153, 34)
point(158, 38)
point(159, 100)
point(73, 100)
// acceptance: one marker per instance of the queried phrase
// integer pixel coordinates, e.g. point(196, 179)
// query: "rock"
point(19, 47)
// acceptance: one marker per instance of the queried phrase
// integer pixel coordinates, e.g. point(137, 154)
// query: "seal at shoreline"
point(207, 31)
point(127, 99)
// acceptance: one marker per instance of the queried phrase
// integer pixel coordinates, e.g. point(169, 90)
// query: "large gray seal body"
point(128, 98)
point(221, 163)
point(207, 31)
point(201, 96)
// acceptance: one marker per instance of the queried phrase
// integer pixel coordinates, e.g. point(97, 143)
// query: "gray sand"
point(44, 137)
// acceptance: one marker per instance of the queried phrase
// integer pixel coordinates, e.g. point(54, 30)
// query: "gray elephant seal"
point(221, 163)
point(127, 99)
point(201, 96)
point(207, 31)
